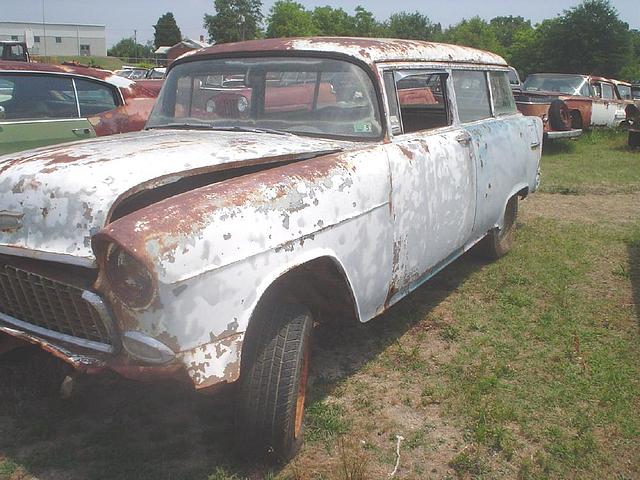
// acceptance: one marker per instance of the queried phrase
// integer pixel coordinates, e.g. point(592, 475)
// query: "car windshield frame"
point(325, 77)
point(579, 81)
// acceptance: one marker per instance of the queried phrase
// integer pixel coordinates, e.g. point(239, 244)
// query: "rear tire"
point(273, 381)
point(498, 241)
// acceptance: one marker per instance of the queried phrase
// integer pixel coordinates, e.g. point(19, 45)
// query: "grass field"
point(525, 368)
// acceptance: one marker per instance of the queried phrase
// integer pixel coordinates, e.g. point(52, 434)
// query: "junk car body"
point(46, 104)
point(202, 248)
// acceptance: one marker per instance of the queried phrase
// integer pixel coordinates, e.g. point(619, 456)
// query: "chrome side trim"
point(88, 262)
point(80, 342)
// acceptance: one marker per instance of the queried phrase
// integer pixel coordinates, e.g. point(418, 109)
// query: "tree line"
point(589, 38)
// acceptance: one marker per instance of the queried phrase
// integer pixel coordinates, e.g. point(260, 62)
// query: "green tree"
point(476, 33)
point(235, 20)
point(290, 19)
point(506, 29)
point(589, 38)
point(364, 24)
point(127, 48)
point(414, 26)
point(166, 32)
point(332, 21)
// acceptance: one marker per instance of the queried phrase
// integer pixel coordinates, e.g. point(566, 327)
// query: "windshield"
point(306, 96)
point(569, 84)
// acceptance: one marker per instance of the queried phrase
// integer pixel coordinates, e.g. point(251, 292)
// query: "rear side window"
point(503, 102)
point(472, 95)
point(422, 99)
point(94, 97)
point(33, 97)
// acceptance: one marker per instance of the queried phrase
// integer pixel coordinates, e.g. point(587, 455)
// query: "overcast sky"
point(122, 17)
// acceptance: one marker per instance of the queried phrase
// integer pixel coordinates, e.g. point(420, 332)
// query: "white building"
point(57, 39)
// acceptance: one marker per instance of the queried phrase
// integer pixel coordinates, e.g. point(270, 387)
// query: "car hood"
point(54, 199)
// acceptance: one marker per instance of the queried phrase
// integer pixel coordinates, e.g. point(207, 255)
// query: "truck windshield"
point(306, 96)
point(569, 84)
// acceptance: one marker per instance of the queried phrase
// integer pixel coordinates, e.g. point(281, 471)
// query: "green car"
point(48, 104)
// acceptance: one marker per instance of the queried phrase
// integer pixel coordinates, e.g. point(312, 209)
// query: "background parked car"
point(550, 107)
point(45, 104)
point(132, 73)
point(14, 51)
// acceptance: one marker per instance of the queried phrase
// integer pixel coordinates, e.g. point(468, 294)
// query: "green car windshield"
point(305, 96)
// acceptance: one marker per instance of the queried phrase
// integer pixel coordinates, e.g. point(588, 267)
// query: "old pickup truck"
point(205, 248)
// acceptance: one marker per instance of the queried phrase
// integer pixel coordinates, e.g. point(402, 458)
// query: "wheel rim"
point(302, 389)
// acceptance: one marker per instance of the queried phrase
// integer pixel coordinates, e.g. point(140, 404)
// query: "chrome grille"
point(49, 304)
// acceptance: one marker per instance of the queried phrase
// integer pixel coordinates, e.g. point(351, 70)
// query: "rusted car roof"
point(368, 50)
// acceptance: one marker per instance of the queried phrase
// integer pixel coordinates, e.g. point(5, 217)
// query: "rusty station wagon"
point(204, 248)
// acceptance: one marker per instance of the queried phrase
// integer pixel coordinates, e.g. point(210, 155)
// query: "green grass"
point(558, 363)
point(597, 162)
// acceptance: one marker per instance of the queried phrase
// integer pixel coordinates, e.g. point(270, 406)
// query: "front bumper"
point(554, 135)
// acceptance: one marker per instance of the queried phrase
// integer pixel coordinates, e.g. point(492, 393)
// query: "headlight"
point(211, 106)
point(243, 104)
point(130, 280)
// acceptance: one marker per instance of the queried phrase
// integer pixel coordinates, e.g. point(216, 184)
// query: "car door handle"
point(464, 138)
point(81, 132)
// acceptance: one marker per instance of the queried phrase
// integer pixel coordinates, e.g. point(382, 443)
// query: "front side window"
point(503, 102)
point(34, 97)
point(472, 95)
point(607, 91)
point(422, 99)
point(625, 92)
point(306, 96)
point(94, 97)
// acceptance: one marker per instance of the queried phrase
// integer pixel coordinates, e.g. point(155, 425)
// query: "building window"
point(14, 38)
point(85, 50)
point(58, 39)
point(36, 39)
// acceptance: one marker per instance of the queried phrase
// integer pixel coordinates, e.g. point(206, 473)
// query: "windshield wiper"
point(208, 126)
point(238, 128)
point(185, 126)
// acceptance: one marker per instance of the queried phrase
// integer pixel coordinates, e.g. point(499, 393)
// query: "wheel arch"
point(321, 283)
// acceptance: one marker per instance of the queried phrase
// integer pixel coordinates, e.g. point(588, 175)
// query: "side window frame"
point(448, 97)
point(115, 92)
point(492, 97)
point(45, 75)
point(485, 72)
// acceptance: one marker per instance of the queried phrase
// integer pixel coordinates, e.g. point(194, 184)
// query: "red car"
point(44, 104)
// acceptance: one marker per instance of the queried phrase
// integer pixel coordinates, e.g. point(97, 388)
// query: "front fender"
point(215, 250)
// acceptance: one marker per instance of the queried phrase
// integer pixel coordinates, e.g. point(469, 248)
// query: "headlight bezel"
point(129, 279)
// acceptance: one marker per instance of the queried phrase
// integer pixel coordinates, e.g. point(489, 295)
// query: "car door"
point(433, 175)
point(605, 106)
point(505, 143)
point(37, 110)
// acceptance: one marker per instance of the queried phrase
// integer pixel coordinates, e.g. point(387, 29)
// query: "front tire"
point(498, 241)
point(273, 381)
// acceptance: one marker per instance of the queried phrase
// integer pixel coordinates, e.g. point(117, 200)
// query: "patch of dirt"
point(616, 208)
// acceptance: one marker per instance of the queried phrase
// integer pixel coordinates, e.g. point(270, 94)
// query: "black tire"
point(559, 116)
point(273, 380)
point(498, 241)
